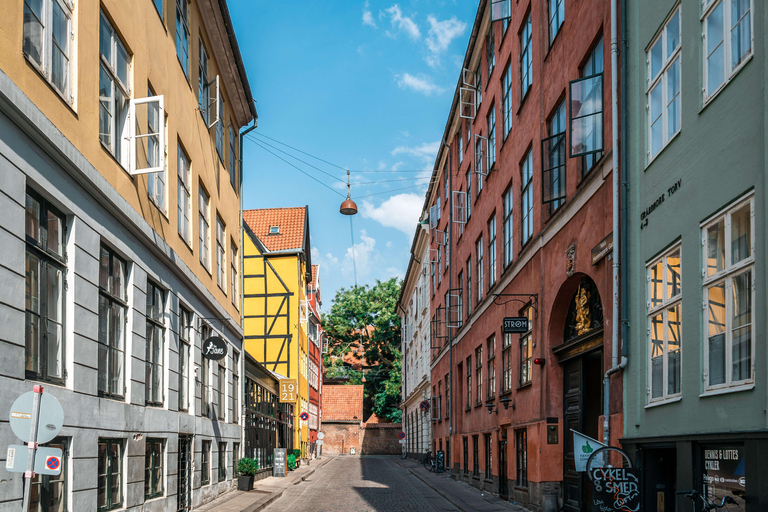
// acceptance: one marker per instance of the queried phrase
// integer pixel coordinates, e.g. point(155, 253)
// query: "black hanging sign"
point(616, 489)
point(513, 324)
point(214, 348)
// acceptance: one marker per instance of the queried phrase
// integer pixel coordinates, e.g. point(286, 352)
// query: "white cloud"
point(400, 211)
point(401, 22)
point(426, 151)
point(360, 256)
point(368, 16)
point(421, 83)
point(441, 33)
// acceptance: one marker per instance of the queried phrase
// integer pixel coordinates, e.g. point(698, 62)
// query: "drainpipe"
point(624, 247)
point(241, 262)
point(615, 365)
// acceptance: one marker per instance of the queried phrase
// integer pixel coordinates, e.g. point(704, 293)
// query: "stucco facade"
point(699, 388)
point(414, 309)
point(125, 294)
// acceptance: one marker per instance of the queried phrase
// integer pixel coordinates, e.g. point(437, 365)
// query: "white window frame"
point(725, 277)
point(492, 250)
point(662, 80)
point(467, 102)
point(134, 136)
point(662, 308)
point(233, 158)
point(221, 254)
point(506, 94)
point(45, 66)
point(204, 227)
point(234, 262)
point(479, 273)
point(183, 190)
point(182, 27)
point(118, 142)
point(491, 121)
point(730, 71)
point(219, 122)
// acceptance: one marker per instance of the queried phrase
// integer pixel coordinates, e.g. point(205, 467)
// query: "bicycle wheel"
point(607, 457)
point(428, 463)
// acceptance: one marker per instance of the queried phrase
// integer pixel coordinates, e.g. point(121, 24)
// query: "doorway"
point(582, 407)
point(503, 487)
point(660, 474)
point(183, 481)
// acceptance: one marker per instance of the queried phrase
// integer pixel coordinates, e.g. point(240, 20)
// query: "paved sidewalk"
point(264, 491)
point(461, 495)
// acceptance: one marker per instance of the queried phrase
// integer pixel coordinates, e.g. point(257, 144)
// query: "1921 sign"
point(288, 391)
point(615, 490)
point(515, 324)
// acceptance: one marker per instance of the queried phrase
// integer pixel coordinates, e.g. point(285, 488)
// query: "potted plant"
point(247, 468)
point(297, 456)
point(291, 458)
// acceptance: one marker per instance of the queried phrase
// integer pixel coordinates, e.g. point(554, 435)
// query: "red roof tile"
point(314, 276)
point(342, 402)
point(290, 220)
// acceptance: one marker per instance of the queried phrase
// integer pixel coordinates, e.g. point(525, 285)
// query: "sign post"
point(35, 418)
point(320, 437)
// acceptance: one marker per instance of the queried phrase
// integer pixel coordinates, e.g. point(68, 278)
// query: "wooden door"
point(573, 418)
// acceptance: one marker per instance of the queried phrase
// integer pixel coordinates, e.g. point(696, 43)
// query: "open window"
point(482, 157)
point(214, 102)
point(434, 216)
point(428, 270)
point(553, 169)
point(586, 106)
point(467, 103)
point(455, 307)
point(468, 78)
point(440, 237)
point(434, 408)
point(146, 135)
point(437, 329)
point(501, 10)
point(460, 207)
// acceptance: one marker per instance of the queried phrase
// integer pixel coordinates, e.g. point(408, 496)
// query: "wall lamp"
point(539, 361)
point(504, 401)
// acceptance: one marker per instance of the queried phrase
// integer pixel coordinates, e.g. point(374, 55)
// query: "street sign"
point(214, 348)
point(401, 435)
point(47, 460)
point(304, 416)
point(288, 388)
point(51, 417)
point(515, 324)
point(319, 441)
point(401, 441)
point(321, 435)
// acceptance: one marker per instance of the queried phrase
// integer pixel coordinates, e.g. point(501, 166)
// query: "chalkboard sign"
point(440, 463)
point(279, 462)
point(616, 490)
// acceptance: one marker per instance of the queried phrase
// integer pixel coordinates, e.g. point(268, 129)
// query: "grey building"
point(118, 248)
point(695, 389)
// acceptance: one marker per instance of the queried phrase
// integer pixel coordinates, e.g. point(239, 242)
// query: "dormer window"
point(274, 230)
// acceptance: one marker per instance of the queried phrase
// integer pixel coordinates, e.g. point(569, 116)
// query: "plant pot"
point(245, 482)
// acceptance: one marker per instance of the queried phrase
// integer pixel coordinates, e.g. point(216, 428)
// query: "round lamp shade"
point(348, 207)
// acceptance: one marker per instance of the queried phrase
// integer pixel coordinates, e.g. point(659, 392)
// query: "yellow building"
point(120, 243)
point(276, 273)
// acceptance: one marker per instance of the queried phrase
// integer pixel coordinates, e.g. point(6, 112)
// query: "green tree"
point(365, 316)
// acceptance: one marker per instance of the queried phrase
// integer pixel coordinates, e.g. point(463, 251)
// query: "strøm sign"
point(214, 348)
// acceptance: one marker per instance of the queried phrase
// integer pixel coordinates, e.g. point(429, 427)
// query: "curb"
point(438, 491)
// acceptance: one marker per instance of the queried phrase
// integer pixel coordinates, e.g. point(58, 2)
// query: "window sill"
point(725, 391)
point(664, 402)
point(487, 481)
point(522, 100)
point(60, 94)
point(727, 81)
point(525, 385)
point(521, 489)
point(665, 146)
point(114, 158)
point(476, 477)
point(478, 404)
point(160, 208)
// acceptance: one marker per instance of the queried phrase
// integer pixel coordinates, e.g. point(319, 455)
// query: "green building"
point(695, 393)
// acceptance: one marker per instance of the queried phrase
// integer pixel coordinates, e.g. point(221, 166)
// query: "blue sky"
point(365, 86)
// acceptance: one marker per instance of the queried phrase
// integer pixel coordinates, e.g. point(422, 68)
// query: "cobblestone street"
point(360, 484)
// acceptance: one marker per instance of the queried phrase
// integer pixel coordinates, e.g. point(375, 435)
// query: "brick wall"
point(340, 437)
point(381, 438)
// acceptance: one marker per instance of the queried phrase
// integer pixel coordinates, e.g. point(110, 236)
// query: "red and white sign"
point(53, 463)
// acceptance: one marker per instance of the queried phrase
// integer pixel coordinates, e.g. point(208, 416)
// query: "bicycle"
point(430, 464)
point(709, 504)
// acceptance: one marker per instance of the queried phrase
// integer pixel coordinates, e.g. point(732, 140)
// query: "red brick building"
point(342, 418)
point(526, 170)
